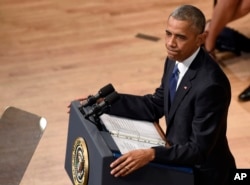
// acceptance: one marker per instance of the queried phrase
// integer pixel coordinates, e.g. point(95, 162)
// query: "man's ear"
point(201, 38)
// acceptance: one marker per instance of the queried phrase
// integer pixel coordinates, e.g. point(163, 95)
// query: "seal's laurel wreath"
point(80, 162)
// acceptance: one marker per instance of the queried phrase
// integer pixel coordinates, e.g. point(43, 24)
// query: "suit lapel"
point(184, 87)
point(181, 92)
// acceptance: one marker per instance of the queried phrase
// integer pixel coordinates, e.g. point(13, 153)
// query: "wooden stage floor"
point(53, 51)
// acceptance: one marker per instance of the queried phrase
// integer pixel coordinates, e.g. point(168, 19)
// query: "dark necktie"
point(173, 82)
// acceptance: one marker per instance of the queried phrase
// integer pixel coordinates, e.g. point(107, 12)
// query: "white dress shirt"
point(184, 65)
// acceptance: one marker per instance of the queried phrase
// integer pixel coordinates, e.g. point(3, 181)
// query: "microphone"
point(98, 109)
point(104, 91)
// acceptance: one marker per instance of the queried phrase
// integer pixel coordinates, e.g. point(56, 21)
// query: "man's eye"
point(181, 37)
point(168, 33)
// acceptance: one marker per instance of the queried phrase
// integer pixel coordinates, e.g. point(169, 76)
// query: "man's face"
point(182, 39)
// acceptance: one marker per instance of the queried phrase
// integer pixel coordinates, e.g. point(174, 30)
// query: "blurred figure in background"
point(226, 39)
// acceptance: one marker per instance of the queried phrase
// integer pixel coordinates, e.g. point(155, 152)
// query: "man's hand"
point(131, 161)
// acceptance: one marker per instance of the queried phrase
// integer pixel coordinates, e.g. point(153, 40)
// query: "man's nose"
point(171, 41)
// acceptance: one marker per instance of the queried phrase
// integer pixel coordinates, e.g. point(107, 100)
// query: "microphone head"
point(111, 98)
point(104, 91)
point(99, 108)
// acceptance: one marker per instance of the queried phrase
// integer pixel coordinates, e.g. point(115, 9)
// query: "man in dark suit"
point(196, 115)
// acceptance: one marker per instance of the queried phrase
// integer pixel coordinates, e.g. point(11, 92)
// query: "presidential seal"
point(80, 162)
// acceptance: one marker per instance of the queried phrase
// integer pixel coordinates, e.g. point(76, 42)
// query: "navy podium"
point(90, 151)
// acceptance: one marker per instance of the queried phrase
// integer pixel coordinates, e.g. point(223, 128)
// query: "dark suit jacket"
point(196, 121)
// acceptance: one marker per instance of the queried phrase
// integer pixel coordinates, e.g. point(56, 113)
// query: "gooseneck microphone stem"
point(99, 109)
point(95, 106)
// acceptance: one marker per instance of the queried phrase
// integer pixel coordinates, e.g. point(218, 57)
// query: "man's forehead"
point(172, 20)
point(176, 24)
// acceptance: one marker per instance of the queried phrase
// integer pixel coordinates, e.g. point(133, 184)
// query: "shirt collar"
point(184, 65)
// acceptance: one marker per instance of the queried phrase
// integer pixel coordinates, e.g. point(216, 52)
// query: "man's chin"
point(172, 57)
